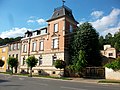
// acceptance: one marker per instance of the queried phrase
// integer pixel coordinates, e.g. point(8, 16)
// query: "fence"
point(89, 72)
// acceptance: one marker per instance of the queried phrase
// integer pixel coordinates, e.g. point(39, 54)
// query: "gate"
point(94, 72)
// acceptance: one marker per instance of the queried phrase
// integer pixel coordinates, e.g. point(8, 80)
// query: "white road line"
point(72, 88)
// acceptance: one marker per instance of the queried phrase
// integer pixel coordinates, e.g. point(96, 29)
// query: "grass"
point(109, 81)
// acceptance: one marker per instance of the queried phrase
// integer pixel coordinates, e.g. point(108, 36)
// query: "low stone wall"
point(111, 74)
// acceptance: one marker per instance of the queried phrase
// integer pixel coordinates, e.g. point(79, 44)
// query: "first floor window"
point(34, 46)
point(23, 60)
point(110, 54)
point(54, 57)
point(41, 45)
point(24, 48)
point(40, 60)
point(55, 43)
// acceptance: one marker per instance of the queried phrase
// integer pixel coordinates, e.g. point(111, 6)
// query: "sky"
point(18, 16)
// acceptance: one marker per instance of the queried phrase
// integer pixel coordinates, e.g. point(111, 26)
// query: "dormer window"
point(26, 35)
point(34, 33)
point(56, 27)
point(44, 31)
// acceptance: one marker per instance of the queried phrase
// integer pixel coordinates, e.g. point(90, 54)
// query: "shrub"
point(115, 65)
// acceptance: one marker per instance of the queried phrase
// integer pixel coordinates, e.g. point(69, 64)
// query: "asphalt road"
point(8, 82)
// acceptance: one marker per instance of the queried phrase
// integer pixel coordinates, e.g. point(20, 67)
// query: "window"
point(18, 46)
point(3, 50)
point(55, 43)
point(24, 48)
point(34, 46)
point(44, 31)
point(54, 57)
point(13, 55)
point(71, 28)
point(55, 27)
point(110, 54)
point(17, 56)
point(40, 60)
point(41, 45)
point(26, 35)
point(24, 60)
point(15, 46)
point(11, 46)
point(34, 33)
point(3, 58)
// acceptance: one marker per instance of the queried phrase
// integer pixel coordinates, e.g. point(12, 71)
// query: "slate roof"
point(62, 11)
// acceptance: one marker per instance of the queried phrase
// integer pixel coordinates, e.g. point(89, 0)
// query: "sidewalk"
point(86, 80)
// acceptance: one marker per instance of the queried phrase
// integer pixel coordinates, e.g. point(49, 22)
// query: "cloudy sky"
point(18, 16)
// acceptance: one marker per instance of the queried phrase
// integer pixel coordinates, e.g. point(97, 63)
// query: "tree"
point(86, 39)
point(1, 63)
point(12, 62)
point(60, 64)
point(81, 62)
point(31, 62)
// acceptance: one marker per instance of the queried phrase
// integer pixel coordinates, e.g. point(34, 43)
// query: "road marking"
point(72, 88)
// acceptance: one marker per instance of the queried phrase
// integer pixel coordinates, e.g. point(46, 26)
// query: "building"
point(4, 57)
point(49, 43)
point(109, 51)
point(15, 51)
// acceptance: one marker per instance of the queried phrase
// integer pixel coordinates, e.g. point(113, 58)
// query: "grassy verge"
point(109, 81)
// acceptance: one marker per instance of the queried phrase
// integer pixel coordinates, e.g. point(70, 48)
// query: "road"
point(8, 82)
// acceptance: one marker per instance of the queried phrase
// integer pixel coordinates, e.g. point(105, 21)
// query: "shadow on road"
point(10, 85)
point(1, 81)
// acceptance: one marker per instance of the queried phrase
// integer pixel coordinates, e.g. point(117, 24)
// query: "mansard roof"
point(62, 11)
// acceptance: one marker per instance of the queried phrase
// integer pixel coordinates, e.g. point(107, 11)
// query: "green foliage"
point(115, 65)
point(1, 63)
point(31, 61)
point(86, 39)
point(12, 62)
point(81, 61)
point(60, 64)
point(112, 40)
point(9, 40)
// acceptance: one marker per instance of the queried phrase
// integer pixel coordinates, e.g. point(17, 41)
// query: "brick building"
point(49, 43)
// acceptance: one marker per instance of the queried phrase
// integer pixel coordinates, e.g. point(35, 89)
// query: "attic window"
point(57, 14)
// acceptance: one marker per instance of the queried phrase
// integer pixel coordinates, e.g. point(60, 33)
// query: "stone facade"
point(50, 43)
point(14, 50)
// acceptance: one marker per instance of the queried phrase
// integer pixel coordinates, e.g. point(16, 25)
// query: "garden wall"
point(111, 74)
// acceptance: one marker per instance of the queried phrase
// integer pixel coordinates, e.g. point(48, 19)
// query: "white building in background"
point(109, 51)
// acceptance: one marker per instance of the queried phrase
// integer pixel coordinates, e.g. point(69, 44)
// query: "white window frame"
point(34, 33)
point(34, 46)
point(25, 48)
point(41, 46)
point(56, 27)
point(44, 31)
point(55, 43)
point(3, 50)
